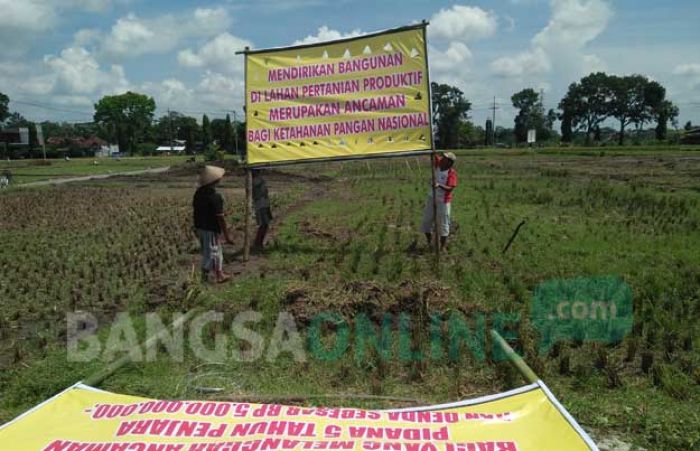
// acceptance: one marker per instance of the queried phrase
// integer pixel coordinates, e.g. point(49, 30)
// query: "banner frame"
point(376, 156)
point(431, 150)
point(373, 34)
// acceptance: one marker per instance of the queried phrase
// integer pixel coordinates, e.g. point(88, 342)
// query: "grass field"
point(345, 241)
point(26, 171)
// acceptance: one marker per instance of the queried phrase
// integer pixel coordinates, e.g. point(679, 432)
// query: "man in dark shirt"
point(209, 223)
point(263, 214)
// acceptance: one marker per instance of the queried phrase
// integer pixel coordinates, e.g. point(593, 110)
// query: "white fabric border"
point(39, 406)
point(467, 402)
point(586, 438)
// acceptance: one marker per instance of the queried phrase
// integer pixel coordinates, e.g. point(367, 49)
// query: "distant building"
point(92, 143)
point(10, 136)
point(692, 136)
point(177, 146)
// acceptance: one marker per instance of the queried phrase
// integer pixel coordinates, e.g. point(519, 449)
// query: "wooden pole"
point(436, 228)
point(248, 173)
point(247, 212)
point(514, 358)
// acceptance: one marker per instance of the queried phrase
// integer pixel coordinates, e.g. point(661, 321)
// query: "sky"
point(58, 57)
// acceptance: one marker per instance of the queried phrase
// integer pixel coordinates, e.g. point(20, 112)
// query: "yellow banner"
point(85, 419)
point(351, 98)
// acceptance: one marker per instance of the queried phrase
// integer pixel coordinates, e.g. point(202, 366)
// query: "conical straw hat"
point(211, 174)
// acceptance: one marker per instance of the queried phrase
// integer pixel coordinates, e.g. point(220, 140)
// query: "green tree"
point(688, 126)
point(239, 135)
point(530, 115)
point(189, 131)
point(125, 117)
point(228, 141)
point(165, 128)
point(659, 109)
point(627, 101)
point(667, 111)
point(450, 108)
point(588, 103)
point(567, 132)
point(4, 107)
point(206, 131)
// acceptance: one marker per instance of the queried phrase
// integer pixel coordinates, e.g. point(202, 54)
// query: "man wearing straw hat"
point(445, 183)
point(209, 223)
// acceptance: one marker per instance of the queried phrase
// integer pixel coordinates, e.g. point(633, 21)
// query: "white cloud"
point(73, 78)
point(690, 72)
point(20, 20)
point(86, 36)
point(215, 92)
point(559, 45)
point(75, 71)
point(463, 23)
point(33, 15)
point(90, 5)
point(533, 61)
point(169, 93)
point(133, 36)
point(326, 34)
point(691, 69)
point(219, 54)
point(574, 23)
point(455, 59)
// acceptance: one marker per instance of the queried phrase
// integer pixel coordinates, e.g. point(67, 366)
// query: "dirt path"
point(63, 180)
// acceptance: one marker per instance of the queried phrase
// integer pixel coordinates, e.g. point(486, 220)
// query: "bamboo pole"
point(248, 174)
point(97, 377)
point(514, 358)
point(436, 228)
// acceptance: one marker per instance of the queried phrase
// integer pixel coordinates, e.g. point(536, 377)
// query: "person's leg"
point(444, 215)
point(205, 250)
point(263, 217)
point(260, 237)
point(217, 251)
point(427, 224)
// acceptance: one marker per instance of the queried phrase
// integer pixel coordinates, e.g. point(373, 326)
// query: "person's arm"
point(222, 225)
point(451, 182)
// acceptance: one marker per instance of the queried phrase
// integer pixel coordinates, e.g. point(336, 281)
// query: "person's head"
point(211, 175)
point(447, 161)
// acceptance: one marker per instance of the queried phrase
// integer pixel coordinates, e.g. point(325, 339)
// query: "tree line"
point(129, 120)
point(596, 99)
point(630, 100)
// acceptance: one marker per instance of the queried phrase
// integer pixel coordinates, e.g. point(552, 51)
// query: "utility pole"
point(493, 122)
point(235, 132)
point(170, 131)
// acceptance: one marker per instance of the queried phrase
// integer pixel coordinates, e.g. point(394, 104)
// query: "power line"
point(50, 107)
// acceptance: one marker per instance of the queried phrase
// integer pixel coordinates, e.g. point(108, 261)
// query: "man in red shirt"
point(445, 183)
